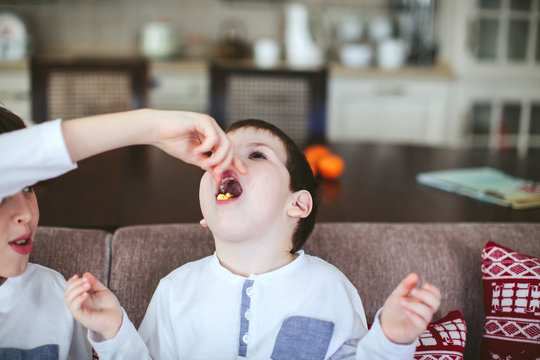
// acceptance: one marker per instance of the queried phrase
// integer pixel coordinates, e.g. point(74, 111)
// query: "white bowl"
point(356, 55)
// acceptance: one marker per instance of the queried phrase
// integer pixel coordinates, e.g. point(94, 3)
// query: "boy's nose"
point(21, 210)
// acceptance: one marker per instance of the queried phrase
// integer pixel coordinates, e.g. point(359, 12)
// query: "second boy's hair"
point(300, 174)
point(9, 121)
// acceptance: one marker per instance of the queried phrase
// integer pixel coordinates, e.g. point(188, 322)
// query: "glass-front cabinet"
point(497, 64)
point(501, 34)
point(501, 117)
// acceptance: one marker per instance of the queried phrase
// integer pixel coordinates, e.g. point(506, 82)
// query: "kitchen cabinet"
point(401, 107)
point(497, 37)
point(15, 88)
point(501, 115)
point(179, 86)
point(497, 62)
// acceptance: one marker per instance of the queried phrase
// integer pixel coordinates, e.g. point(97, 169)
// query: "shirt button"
point(250, 291)
point(245, 338)
point(247, 314)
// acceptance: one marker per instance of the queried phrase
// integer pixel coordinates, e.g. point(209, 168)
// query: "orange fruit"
point(330, 166)
point(314, 153)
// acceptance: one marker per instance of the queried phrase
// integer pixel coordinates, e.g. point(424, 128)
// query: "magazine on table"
point(486, 184)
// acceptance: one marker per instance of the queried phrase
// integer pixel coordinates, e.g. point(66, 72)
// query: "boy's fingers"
point(406, 285)
point(427, 297)
point(419, 309)
point(207, 145)
point(222, 151)
point(417, 321)
point(76, 304)
point(95, 284)
point(78, 287)
point(224, 163)
point(432, 288)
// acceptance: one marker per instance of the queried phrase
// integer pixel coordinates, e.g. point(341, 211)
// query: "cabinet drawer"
point(388, 110)
point(176, 88)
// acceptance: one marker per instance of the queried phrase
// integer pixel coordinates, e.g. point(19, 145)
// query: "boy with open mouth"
point(34, 320)
point(259, 295)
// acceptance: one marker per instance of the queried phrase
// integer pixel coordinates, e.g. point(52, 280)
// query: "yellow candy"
point(224, 196)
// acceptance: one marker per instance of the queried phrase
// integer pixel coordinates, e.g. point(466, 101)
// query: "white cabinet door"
point(404, 111)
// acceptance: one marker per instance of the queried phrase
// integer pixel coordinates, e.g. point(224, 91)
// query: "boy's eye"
point(29, 189)
point(257, 155)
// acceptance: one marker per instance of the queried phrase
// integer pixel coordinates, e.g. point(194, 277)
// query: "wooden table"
point(143, 185)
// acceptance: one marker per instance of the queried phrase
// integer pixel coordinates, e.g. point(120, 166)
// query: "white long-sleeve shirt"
point(31, 155)
point(35, 321)
point(305, 310)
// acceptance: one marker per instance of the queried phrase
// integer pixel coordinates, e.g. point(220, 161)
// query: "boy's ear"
point(300, 205)
point(203, 223)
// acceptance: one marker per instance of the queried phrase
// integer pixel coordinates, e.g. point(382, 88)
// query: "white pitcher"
point(301, 49)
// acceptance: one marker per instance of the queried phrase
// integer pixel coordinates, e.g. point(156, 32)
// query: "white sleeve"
point(31, 155)
point(126, 345)
point(374, 346)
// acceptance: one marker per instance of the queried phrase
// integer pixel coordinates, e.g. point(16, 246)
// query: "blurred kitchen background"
point(457, 73)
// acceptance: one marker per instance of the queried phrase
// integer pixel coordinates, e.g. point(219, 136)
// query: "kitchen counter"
point(440, 70)
point(14, 65)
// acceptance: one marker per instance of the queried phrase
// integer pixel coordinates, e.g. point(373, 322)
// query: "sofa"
point(374, 256)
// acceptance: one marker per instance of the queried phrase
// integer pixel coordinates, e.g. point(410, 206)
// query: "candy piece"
point(226, 196)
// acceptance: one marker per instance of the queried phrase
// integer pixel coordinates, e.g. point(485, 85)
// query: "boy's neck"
point(252, 259)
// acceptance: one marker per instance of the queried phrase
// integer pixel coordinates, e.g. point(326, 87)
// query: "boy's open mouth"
point(22, 245)
point(228, 188)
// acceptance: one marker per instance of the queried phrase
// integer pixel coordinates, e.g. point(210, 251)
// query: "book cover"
point(486, 184)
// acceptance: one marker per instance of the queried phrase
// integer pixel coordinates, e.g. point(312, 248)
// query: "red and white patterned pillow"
point(443, 339)
point(511, 304)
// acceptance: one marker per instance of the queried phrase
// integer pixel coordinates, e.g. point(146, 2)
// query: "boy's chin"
point(228, 229)
point(14, 269)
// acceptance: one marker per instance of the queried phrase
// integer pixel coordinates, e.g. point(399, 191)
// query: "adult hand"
point(93, 305)
point(408, 310)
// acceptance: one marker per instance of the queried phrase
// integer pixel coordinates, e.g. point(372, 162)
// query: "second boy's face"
point(256, 200)
point(19, 216)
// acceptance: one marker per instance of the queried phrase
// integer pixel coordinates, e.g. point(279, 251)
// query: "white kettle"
point(301, 50)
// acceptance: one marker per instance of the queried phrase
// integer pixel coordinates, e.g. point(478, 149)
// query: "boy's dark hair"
point(300, 172)
point(9, 121)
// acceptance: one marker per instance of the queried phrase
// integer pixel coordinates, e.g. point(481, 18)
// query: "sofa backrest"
point(142, 255)
point(73, 251)
point(375, 257)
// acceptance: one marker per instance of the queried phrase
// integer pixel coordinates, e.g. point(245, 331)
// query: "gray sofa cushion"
point(142, 255)
point(73, 251)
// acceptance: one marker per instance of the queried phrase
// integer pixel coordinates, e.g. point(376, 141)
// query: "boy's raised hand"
point(93, 305)
point(192, 137)
point(408, 310)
